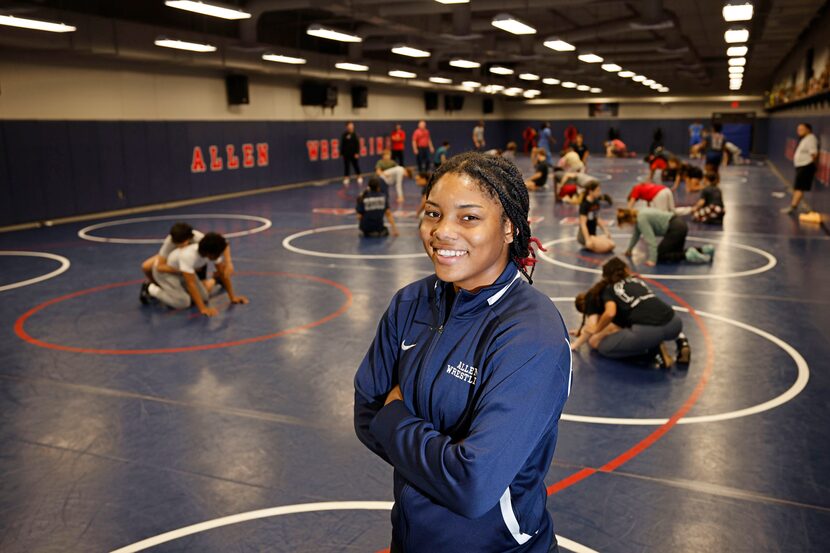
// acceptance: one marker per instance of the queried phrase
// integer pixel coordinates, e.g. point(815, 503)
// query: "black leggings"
point(673, 246)
point(397, 155)
point(353, 162)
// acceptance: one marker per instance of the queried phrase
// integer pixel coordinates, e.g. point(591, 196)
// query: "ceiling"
point(678, 43)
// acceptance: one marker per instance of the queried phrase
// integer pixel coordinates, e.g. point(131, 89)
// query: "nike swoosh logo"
point(406, 347)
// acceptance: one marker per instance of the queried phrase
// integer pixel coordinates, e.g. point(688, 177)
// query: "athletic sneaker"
point(346, 183)
point(360, 181)
point(684, 351)
point(145, 296)
point(708, 249)
point(694, 256)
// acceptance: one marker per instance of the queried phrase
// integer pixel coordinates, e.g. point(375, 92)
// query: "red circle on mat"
point(23, 335)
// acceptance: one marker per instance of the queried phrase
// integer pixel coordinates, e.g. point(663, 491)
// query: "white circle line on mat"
point(771, 261)
point(286, 243)
point(85, 232)
point(65, 264)
point(565, 543)
point(800, 383)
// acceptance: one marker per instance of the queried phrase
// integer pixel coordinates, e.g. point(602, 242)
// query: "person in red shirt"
point(397, 142)
point(655, 195)
point(529, 137)
point(422, 146)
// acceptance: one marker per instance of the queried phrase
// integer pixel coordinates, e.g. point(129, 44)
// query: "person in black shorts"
point(804, 161)
point(540, 176)
point(372, 206)
point(634, 322)
point(589, 221)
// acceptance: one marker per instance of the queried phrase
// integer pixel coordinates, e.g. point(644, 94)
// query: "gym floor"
point(122, 422)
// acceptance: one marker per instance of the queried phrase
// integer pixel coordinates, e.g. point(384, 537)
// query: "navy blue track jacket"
point(484, 382)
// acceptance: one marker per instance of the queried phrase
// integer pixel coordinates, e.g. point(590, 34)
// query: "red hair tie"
point(531, 260)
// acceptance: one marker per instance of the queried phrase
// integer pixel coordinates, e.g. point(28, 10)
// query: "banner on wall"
point(249, 155)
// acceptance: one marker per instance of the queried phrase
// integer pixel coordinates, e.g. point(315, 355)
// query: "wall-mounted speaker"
point(453, 102)
point(360, 97)
point(316, 93)
point(487, 105)
point(430, 101)
point(237, 88)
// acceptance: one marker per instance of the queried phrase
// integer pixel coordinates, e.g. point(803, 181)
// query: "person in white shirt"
point(804, 161)
point(178, 289)
point(181, 234)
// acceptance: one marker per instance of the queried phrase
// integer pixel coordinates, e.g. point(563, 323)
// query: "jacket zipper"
point(439, 330)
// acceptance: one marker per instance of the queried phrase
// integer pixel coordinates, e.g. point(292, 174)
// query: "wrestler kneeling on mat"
point(622, 318)
point(179, 286)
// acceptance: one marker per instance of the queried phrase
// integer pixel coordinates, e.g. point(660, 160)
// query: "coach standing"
point(805, 165)
point(350, 150)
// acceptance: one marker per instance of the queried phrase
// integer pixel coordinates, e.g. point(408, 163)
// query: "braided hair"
point(501, 180)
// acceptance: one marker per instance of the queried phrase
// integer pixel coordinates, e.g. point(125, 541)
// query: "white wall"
point(105, 91)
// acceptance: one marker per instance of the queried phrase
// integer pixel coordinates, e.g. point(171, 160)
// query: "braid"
point(501, 180)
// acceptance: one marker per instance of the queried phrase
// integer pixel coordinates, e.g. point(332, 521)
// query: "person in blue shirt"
point(441, 154)
point(463, 386)
point(546, 141)
point(695, 137)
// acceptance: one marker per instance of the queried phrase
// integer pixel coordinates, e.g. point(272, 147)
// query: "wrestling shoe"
point(662, 357)
point(694, 256)
point(708, 249)
point(684, 352)
point(144, 297)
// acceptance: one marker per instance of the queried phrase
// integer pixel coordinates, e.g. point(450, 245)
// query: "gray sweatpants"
point(639, 339)
point(172, 291)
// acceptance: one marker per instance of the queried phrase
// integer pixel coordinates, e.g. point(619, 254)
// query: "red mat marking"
point(23, 335)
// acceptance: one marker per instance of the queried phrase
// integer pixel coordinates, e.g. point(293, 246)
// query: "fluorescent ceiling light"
point(182, 45)
point(35, 24)
point(737, 61)
point(529, 77)
point(733, 51)
point(440, 80)
point(559, 45)
point(208, 9)
point(664, 89)
point(551, 80)
point(736, 35)
point(595, 90)
point(611, 67)
point(402, 74)
point(649, 82)
point(583, 87)
point(638, 78)
point(734, 87)
point(499, 70)
point(404, 50)
point(493, 88)
point(513, 91)
point(737, 70)
point(348, 66)
point(589, 58)
point(626, 74)
point(453, 1)
point(531, 93)
point(738, 11)
point(569, 84)
point(331, 34)
point(656, 86)
point(279, 58)
point(735, 82)
point(507, 22)
point(471, 84)
point(464, 64)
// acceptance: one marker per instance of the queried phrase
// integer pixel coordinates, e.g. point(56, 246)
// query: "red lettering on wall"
point(371, 146)
point(197, 165)
point(233, 160)
point(335, 148)
point(262, 154)
point(216, 160)
point(379, 144)
point(362, 146)
point(789, 152)
point(324, 149)
point(247, 155)
point(313, 147)
point(824, 167)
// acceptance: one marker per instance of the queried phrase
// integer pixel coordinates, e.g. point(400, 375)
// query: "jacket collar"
point(467, 303)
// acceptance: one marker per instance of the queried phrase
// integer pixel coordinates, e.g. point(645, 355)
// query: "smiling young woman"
point(462, 388)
